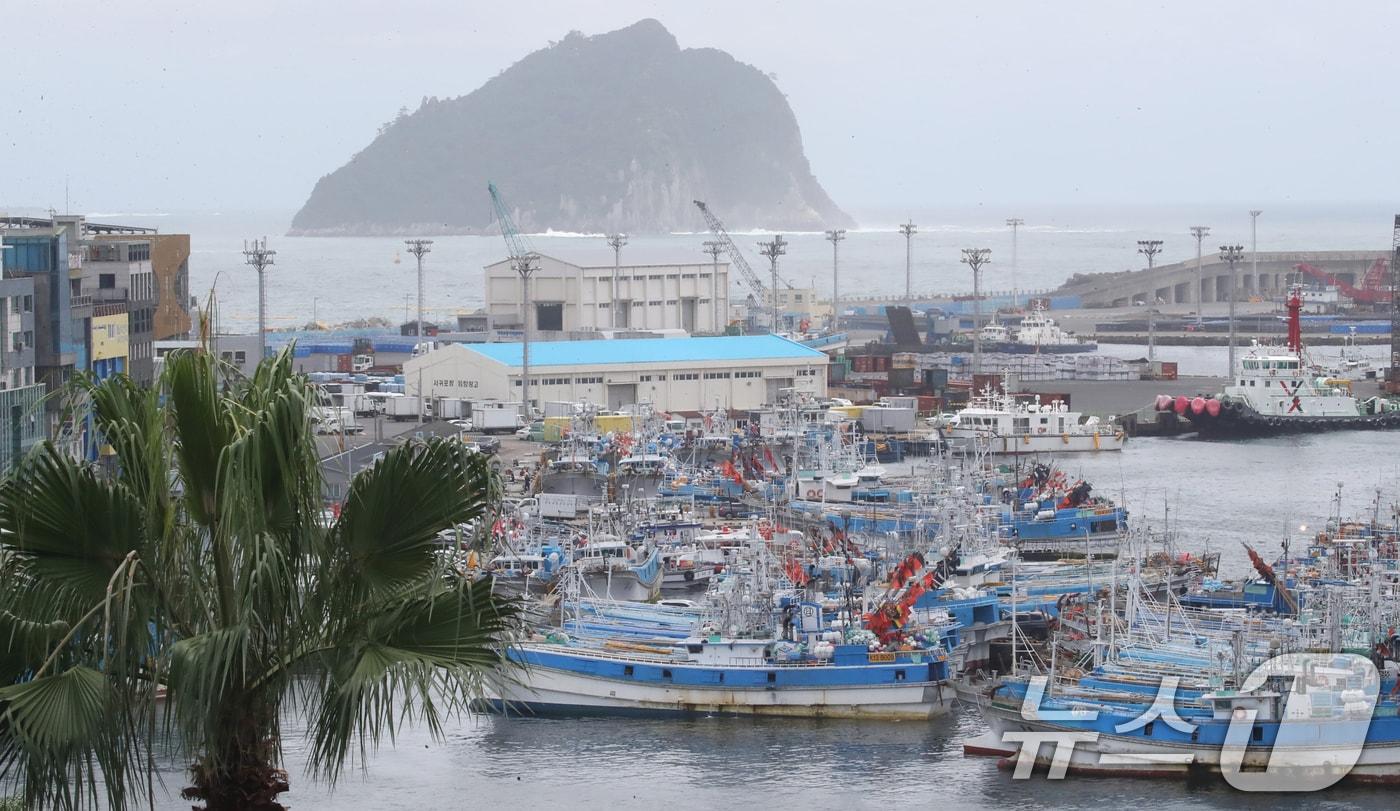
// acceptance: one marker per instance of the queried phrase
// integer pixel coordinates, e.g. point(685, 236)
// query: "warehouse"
point(569, 297)
point(672, 374)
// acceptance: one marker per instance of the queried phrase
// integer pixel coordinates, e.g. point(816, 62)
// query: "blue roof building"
point(672, 374)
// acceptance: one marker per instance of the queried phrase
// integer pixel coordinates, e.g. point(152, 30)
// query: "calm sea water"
point(1215, 495)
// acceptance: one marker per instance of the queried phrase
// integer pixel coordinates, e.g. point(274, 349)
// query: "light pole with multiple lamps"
point(714, 248)
point(1150, 248)
point(772, 250)
point(1015, 223)
point(909, 229)
point(1200, 232)
point(835, 236)
point(260, 258)
point(1254, 247)
point(616, 241)
point(1231, 255)
point(975, 258)
point(418, 247)
point(525, 266)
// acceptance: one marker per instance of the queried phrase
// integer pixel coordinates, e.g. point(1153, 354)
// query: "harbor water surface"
point(1220, 494)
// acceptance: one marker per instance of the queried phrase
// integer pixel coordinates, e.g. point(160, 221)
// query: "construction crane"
point(746, 274)
point(1374, 288)
point(525, 262)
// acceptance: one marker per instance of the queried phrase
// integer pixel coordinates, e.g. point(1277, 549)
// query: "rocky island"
point(614, 132)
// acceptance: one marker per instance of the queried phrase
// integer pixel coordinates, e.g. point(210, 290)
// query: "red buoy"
point(1198, 405)
point(1181, 403)
point(1164, 402)
point(1213, 407)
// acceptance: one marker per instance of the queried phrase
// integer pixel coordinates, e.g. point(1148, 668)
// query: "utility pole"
point(260, 258)
point(714, 248)
point(418, 247)
point(1254, 247)
point(1200, 232)
point(616, 241)
point(909, 230)
point(835, 237)
point(1015, 223)
point(773, 249)
point(525, 266)
point(1150, 248)
point(975, 258)
point(1231, 255)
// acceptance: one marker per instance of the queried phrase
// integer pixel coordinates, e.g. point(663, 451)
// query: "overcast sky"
point(157, 105)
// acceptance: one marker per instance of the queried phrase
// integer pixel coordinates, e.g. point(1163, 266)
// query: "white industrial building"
point(672, 374)
point(570, 297)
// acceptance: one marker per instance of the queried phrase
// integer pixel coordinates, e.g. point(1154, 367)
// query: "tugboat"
point(1039, 333)
point(1272, 392)
point(1002, 424)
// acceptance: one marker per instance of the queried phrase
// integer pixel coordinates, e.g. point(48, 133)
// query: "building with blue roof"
point(672, 374)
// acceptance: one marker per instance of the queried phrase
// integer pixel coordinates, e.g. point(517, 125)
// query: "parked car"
point(465, 425)
point(488, 445)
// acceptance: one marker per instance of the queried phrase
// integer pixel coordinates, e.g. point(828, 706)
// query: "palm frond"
point(60, 731)
point(67, 527)
point(388, 527)
point(422, 659)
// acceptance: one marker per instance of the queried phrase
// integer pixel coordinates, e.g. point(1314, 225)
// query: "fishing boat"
point(1272, 391)
point(614, 570)
point(1004, 424)
point(716, 675)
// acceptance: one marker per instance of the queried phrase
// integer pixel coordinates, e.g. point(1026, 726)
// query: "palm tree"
point(203, 569)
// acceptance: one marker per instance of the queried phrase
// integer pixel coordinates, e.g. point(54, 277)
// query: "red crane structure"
point(1375, 285)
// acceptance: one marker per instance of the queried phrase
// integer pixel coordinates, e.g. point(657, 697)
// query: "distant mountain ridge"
point(614, 132)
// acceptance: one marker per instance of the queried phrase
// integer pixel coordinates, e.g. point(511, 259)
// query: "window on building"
point(14, 304)
point(29, 304)
point(107, 281)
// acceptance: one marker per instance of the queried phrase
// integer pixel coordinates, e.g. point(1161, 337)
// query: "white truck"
point(336, 420)
point(495, 420)
point(402, 408)
point(449, 408)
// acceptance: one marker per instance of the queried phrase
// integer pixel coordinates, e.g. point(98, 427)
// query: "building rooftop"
point(649, 350)
point(601, 256)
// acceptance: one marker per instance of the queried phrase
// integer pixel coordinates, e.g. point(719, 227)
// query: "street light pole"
point(975, 258)
point(525, 266)
point(616, 241)
point(1254, 247)
point(714, 248)
point(418, 247)
point(1200, 232)
point(835, 236)
point(1231, 255)
point(773, 249)
point(909, 230)
point(1015, 223)
point(260, 258)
